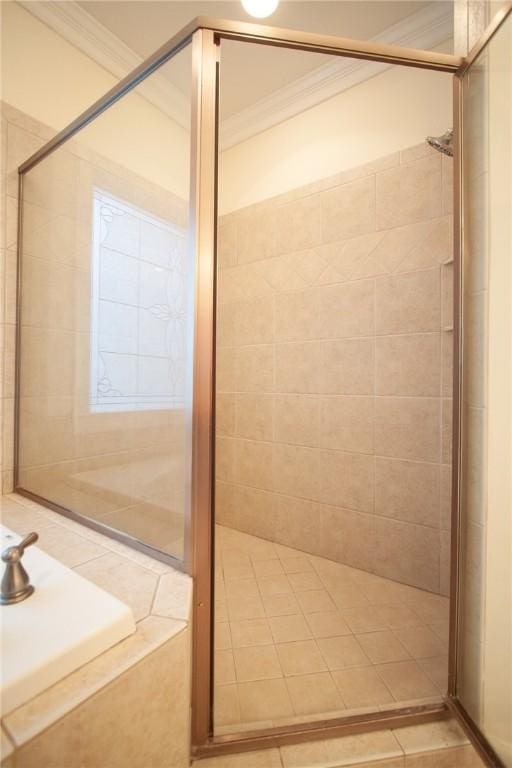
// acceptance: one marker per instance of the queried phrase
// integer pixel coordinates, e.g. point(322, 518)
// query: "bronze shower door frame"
point(203, 739)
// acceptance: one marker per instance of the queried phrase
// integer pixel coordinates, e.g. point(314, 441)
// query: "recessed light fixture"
point(260, 8)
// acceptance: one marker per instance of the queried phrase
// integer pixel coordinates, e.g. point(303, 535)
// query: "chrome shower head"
point(442, 143)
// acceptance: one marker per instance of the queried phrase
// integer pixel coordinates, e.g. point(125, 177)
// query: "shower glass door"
point(484, 652)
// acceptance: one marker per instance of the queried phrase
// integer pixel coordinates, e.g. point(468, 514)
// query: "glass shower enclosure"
point(116, 337)
point(107, 314)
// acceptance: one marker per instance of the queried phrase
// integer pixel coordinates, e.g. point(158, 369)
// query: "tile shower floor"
point(299, 637)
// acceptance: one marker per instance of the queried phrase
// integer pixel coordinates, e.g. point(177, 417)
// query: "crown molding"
point(84, 32)
point(424, 29)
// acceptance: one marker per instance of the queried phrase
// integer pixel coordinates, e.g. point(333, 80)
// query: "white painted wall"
point(394, 110)
point(48, 78)
point(497, 574)
point(51, 80)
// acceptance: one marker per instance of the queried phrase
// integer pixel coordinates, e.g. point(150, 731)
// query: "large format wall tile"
point(298, 367)
point(347, 310)
point(348, 210)
point(348, 367)
point(298, 224)
point(103, 731)
point(296, 471)
point(407, 552)
point(408, 303)
point(297, 419)
point(252, 416)
point(346, 480)
point(408, 365)
point(409, 193)
point(298, 316)
point(407, 490)
point(348, 537)
point(254, 368)
point(256, 235)
point(408, 428)
point(346, 423)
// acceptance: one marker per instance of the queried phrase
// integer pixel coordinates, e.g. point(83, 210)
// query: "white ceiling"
point(249, 72)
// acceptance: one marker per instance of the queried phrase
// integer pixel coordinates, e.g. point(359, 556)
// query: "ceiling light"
point(260, 8)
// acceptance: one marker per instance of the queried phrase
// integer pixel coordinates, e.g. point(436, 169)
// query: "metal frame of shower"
point(205, 35)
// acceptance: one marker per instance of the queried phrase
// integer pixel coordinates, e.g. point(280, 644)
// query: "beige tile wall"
point(126, 468)
point(334, 350)
point(131, 721)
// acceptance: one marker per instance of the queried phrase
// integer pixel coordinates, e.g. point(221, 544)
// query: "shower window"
point(138, 308)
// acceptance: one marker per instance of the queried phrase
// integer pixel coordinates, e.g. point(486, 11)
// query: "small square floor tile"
point(261, 550)
point(280, 605)
point(304, 581)
point(441, 629)
point(421, 642)
point(364, 619)
point(348, 596)
point(222, 636)
point(300, 658)
point(397, 616)
point(226, 708)
point(431, 609)
point(241, 588)
point(436, 670)
point(381, 647)
point(274, 585)
point(264, 700)
point(250, 632)
point(383, 593)
point(238, 570)
point(312, 694)
point(329, 624)
point(268, 567)
point(221, 610)
point(245, 608)
point(288, 628)
point(361, 687)
point(257, 662)
point(296, 564)
point(224, 668)
point(315, 601)
point(342, 652)
point(406, 680)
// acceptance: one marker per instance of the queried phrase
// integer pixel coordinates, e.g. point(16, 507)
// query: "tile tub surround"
point(299, 637)
point(334, 349)
point(432, 745)
point(94, 716)
point(124, 468)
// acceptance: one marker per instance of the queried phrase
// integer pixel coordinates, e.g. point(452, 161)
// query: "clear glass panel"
point(485, 672)
point(334, 384)
point(107, 313)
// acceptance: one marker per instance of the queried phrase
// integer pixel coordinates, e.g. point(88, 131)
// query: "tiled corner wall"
point(334, 368)
point(124, 467)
